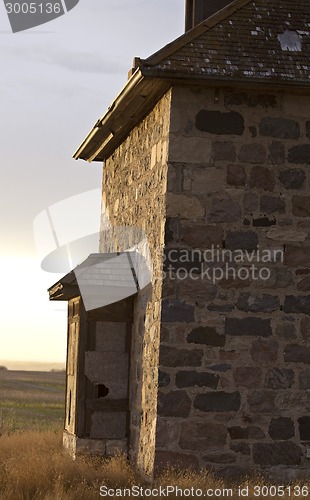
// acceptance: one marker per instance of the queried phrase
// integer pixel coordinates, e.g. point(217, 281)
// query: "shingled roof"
point(247, 42)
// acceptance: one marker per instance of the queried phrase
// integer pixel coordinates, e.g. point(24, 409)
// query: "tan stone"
point(208, 180)
point(189, 149)
point(286, 234)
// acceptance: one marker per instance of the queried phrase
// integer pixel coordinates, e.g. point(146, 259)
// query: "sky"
point(56, 80)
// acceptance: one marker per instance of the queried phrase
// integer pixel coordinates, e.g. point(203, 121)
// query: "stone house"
point(207, 149)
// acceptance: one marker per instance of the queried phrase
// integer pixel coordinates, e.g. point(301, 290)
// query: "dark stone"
point(280, 277)
point(169, 230)
point(262, 178)
point(250, 202)
point(277, 153)
point(297, 354)
point(308, 129)
point(304, 380)
point(264, 222)
point(305, 329)
point(177, 311)
point(246, 433)
point(242, 448)
point(163, 379)
point(253, 327)
point(253, 303)
point(202, 236)
point(251, 100)
point(236, 175)
point(220, 458)
point(297, 256)
point(218, 401)
point(279, 128)
point(292, 178)
point(283, 453)
point(272, 205)
point(174, 259)
point(286, 331)
point(201, 290)
point(170, 356)
point(220, 368)
point(301, 206)
point(247, 376)
point(174, 404)
point(262, 401)
point(224, 151)
point(264, 351)
point(225, 210)
point(201, 436)
point(164, 459)
point(246, 222)
point(304, 428)
point(200, 379)
point(304, 285)
point(299, 154)
point(241, 240)
point(206, 335)
point(219, 123)
point(252, 153)
point(299, 304)
point(279, 378)
point(281, 429)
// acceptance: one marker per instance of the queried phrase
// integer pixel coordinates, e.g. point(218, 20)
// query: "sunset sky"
point(56, 80)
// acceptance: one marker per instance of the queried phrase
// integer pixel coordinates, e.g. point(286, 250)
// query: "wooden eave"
point(65, 289)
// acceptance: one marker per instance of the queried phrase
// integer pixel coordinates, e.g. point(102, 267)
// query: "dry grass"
point(34, 467)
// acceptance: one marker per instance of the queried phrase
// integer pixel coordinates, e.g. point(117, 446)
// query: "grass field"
point(31, 400)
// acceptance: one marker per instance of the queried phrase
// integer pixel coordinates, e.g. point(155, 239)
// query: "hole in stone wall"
point(102, 391)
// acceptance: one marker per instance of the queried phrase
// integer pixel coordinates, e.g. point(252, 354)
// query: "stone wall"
point(235, 353)
point(134, 192)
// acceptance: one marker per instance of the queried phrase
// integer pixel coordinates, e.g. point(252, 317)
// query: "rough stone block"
point(218, 401)
point(252, 153)
point(286, 453)
point(253, 327)
point(110, 369)
point(186, 207)
point(264, 222)
point(297, 256)
point(116, 446)
point(286, 331)
point(199, 379)
point(279, 128)
point(262, 178)
point(193, 290)
point(208, 181)
point(304, 428)
point(286, 234)
point(225, 210)
point(206, 335)
point(297, 354)
point(164, 459)
point(215, 122)
point(241, 240)
point(184, 149)
point(242, 448)
point(236, 175)
point(220, 458)
point(264, 351)
point(251, 432)
point(247, 376)
point(177, 311)
point(277, 153)
point(296, 305)
point(281, 429)
point(170, 356)
point(201, 436)
point(304, 380)
point(292, 178)
point(163, 378)
point(304, 285)
point(272, 205)
point(305, 329)
point(301, 206)
point(299, 154)
point(224, 151)
point(279, 378)
point(262, 401)
point(174, 404)
point(203, 236)
point(249, 302)
point(250, 202)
